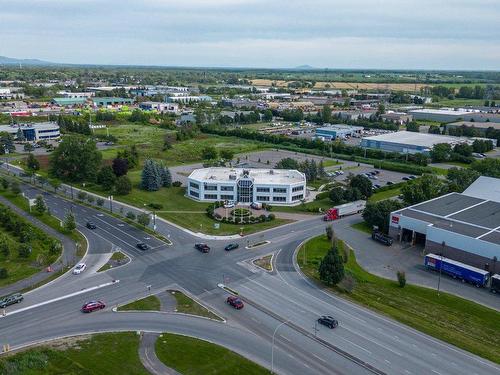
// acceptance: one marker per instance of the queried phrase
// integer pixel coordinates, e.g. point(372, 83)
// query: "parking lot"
point(269, 158)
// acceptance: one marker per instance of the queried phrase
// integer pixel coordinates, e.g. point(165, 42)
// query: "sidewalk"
point(68, 255)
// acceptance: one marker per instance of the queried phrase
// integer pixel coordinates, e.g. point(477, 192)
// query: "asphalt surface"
point(364, 342)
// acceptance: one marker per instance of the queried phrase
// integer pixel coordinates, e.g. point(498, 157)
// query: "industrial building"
point(411, 142)
point(481, 127)
point(338, 131)
point(245, 186)
point(464, 227)
point(451, 115)
point(186, 99)
point(69, 101)
point(111, 101)
point(33, 132)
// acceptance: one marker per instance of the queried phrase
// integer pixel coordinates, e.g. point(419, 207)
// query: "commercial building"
point(411, 142)
point(396, 117)
point(274, 186)
point(463, 227)
point(451, 115)
point(111, 101)
point(69, 94)
point(35, 131)
point(69, 101)
point(186, 99)
point(481, 127)
point(338, 131)
point(160, 107)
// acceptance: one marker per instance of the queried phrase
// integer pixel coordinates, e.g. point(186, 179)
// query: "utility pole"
point(443, 244)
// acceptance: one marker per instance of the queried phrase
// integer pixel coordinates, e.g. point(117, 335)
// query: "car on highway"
point(90, 225)
point(203, 247)
point(79, 268)
point(10, 300)
point(142, 246)
point(231, 246)
point(405, 178)
point(235, 302)
point(412, 177)
point(93, 306)
point(389, 183)
point(328, 321)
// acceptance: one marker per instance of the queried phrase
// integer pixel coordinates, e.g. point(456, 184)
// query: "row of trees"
point(154, 176)
point(358, 187)
point(310, 168)
point(462, 152)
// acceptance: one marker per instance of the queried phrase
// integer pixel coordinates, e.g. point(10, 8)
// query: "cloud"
point(278, 33)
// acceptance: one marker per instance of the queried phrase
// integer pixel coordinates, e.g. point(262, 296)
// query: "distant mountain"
point(13, 61)
point(305, 67)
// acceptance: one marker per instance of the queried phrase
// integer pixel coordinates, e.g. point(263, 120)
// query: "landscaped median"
point(118, 353)
point(460, 322)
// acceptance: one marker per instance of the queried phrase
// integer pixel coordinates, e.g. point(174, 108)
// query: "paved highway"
point(364, 342)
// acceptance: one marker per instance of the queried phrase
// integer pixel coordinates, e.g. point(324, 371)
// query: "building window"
point(245, 191)
point(297, 197)
point(263, 190)
point(298, 188)
point(194, 194)
point(194, 185)
point(279, 190)
point(227, 197)
point(227, 188)
point(279, 199)
point(262, 198)
point(210, 196)
point(211, 187)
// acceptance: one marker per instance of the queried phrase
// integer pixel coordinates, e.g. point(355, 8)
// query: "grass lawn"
point(107, 353)
point(440, 171)
point(460, 322)
point(150, 303)
point(458, 164)
point(309, 207)
point(117, 256)
point(191, 356)
point(264, 262)
point(363, 227)
point(381, 195)
point(187, 305)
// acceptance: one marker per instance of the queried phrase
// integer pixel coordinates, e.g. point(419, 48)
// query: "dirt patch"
point(44, 161)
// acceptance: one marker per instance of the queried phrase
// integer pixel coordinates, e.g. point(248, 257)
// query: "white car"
point(229, 204)
point(80, 267)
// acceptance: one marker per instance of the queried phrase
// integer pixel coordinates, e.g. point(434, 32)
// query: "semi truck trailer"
point(342, 210)
point(457, 270)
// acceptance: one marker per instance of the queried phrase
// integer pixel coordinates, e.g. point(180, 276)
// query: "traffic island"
point(266, 262)
point(117, 259)
point(150, 303)
point(187, 305)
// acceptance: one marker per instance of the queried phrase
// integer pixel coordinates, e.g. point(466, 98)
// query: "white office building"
point(34, 131)
point(244, 186)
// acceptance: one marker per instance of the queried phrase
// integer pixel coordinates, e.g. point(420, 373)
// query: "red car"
point(235, 302)
point(92, 306)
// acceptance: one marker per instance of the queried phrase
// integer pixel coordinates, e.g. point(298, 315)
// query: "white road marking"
point(62, 297)
point(389, 362)
point(437, 372)
point(285, 338)
point(321, 359)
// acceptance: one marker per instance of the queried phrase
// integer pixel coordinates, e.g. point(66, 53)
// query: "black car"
point(390, 183)
point(406, 178)
point(10, 300)
point(91, 225)
point(382, 238)
point(328, 321)
point(142, 246)
point(203, 247)
point(231, 246)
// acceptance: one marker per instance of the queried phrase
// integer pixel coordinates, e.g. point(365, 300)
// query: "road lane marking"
point(62, 297)
point(321, 359)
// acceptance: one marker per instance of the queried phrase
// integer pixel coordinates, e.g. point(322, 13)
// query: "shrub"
point(155, 206)
point(4, 273)
point(100, 202)
point(130, 215)
point(90, 199)
point(348, 284)
point(262, 217)
point(24, 251)
point(81, 195)
point(401, 278)
point(176, 184)
point(271, 217)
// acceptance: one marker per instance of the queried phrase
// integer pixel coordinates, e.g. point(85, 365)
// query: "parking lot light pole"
point(272, 347)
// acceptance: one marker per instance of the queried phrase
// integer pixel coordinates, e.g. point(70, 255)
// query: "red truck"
point(342, 210)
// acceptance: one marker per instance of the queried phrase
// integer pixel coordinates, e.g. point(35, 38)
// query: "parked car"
point(142, 246)
point(203, 247)
point(91, 225)
point(80, 267)
point(229, 204)
point(256, 205)
point(231, 246)
point(389, 183)
point(412, 177)
point(382, 238)
point(328, 321)
point(406, 178)
point(235, 302)
point(10, 300)
point(373, 177)
point(92, 306)
point(376, 186)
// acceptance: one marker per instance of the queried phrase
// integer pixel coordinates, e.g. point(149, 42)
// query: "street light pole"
point(272, 347)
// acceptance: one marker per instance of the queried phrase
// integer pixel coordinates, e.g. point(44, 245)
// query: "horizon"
point(253, 34)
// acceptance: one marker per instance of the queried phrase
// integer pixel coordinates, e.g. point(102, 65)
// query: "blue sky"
point(423, 34)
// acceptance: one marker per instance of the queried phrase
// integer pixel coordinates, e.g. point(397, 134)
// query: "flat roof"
point(34, 125)
point(484, 188)
point(441, 111)
point(339, 127)
point(476, 124)
point(260, 176)
point(415, 139)
point(463, 214)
